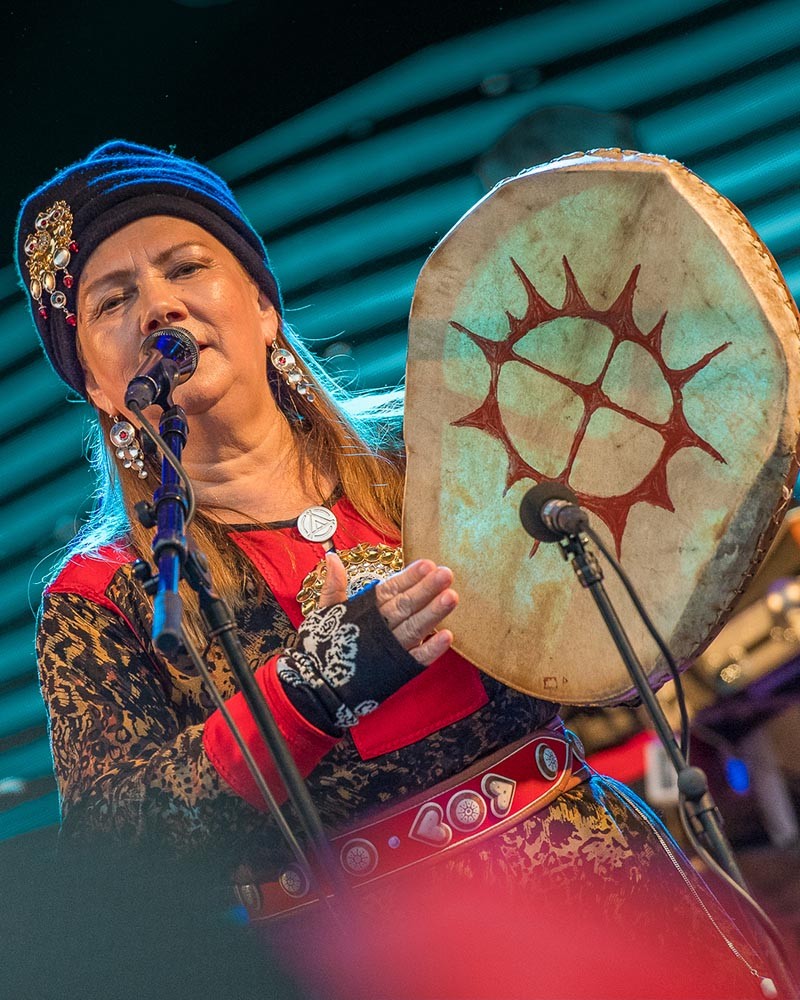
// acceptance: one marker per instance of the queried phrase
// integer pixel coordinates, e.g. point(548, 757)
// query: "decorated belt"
point(491, 796)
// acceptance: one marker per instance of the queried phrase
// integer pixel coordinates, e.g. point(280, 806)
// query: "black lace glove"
point(344, 663)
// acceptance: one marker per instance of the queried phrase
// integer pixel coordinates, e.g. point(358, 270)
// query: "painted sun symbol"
point(618, 318)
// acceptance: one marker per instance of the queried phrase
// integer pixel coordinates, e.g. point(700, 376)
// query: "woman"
point(375, 707)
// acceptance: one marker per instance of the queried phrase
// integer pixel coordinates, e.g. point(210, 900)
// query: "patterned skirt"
point(589, 898)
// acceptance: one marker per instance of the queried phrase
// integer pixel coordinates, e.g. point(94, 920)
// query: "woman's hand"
point(343, 664)
point(412, 602)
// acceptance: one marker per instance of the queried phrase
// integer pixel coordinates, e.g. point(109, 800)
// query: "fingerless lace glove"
point(345, 661)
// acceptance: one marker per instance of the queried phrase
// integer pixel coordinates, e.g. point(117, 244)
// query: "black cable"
point(275, 811)
point(651, 628)
point(702, 852)
point(200, 666)
point(310, 820)
point(167, 453)
point(694, 840)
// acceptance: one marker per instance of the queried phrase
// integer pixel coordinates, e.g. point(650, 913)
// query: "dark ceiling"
point(200, 74)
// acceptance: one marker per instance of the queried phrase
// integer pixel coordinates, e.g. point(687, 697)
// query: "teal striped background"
point(352, 195)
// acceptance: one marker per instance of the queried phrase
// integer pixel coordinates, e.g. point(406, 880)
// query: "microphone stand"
point(692, 781)
point(169, 543)
point(176, 560)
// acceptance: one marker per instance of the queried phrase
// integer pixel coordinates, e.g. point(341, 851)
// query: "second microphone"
point(550, 511)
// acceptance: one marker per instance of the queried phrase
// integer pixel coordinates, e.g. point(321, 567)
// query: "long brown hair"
point(360, 451)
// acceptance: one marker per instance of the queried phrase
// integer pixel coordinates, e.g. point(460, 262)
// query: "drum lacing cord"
point(766, 983)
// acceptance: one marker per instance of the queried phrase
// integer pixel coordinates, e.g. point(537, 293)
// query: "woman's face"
point(161, 271)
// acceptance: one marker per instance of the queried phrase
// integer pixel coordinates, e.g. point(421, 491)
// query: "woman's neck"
point(250, 470)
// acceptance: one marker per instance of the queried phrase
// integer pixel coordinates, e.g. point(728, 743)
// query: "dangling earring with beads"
point(129, 452)
point(286, 366)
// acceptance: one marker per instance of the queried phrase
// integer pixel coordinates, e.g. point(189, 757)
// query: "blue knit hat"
point(63, 221)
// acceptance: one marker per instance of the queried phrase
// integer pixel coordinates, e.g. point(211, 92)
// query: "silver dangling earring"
point(286, 365)
point(123, 437)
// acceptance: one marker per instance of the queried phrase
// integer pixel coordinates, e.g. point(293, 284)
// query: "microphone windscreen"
point(530, 509)
point(175, 343)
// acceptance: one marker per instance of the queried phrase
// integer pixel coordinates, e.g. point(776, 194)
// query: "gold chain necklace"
point(364, 564)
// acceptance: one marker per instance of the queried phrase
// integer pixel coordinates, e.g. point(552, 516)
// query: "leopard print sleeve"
point(126, 763)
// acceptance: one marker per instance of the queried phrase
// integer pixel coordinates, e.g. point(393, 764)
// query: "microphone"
point(550, 510)
point(170, 358)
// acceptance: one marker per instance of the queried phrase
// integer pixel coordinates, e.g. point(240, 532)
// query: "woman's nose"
point(160, 307)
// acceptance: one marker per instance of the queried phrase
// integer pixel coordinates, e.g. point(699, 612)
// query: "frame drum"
point(608, 322)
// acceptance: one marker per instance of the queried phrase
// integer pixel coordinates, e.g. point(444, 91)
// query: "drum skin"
point(610, 322)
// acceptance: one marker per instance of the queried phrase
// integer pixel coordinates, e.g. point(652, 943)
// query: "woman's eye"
point(189, 267)
point(110, 303)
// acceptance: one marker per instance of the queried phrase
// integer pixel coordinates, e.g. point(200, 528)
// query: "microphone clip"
point(584, 560)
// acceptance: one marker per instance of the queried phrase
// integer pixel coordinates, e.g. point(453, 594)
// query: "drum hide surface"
point(607, 321)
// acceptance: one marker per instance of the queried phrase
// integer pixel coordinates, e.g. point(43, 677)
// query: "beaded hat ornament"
point(88, 201)
point(49, 249)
